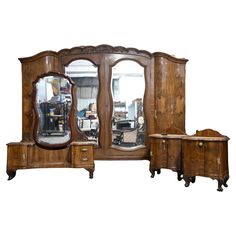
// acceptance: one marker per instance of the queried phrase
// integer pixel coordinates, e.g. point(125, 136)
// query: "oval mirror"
point(128, 86)
point(84, 74)
point(53, 98)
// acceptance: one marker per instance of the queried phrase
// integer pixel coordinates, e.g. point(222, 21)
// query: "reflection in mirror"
point(53, 103)
point(85, 76)
point(128, 87)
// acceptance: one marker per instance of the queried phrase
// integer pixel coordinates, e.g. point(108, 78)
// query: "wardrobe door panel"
point(169, 93)
point(84, 74)
point(128, 121)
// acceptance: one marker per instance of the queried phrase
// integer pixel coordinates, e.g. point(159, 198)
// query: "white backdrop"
point(122, 199)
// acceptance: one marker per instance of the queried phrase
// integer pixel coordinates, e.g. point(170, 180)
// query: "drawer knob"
point(84, 159)
point(84, 149)
point(200, 144)
point(163, 141)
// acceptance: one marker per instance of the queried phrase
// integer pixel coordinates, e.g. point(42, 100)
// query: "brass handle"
point(164, 144)
point(84, 159)
point(84, 149)
point(24, 156)
point(155, 114)
point(200, 144)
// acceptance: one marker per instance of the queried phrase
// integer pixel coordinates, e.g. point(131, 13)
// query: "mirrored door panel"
point(53, 105)
point(85, 76)
point(128, 86)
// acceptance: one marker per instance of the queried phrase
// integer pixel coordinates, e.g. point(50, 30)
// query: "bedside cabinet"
point(82, 156)
point(166, 153)
point(206, 154)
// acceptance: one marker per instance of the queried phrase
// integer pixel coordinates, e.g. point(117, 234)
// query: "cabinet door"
point(174, 154)
point(169, 93)
point(82, 156)
point(17, 156)
point(159, 151)
point(213, 159)
point(193, 158)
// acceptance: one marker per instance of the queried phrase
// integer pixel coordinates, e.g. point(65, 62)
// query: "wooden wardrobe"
point(90, 117)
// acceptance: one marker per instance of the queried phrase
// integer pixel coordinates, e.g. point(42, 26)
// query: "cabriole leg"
point(90, 172)
point(220, 182)
point(152, 173)
point(179, 175)
point(193, 179)
point(187, 180)
point(11, 174)
point(225, 181)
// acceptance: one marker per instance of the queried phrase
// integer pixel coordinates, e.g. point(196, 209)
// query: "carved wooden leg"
point(11, 174)
point(220, 182)
point(187, 180)
point(193, 179)
point(90, 172)
point(225, 181)
point(152, 173)
point(158, 171)
point(179, 175)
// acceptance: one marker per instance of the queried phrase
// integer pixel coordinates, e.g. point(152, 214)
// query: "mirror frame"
point(70, 113)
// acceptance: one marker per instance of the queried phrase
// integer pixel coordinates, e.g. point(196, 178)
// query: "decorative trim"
point(171, 58)
point(207, 135)
point(37, 56)
point(103, 48)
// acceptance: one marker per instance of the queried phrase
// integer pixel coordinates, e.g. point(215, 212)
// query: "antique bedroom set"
point(111, 103)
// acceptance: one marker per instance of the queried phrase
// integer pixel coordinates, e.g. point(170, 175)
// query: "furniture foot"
point(11, 174)
point(220, 182)
point(158, 171)
point(90, 173)
point(193, 179)
point(152, 173)
point(187, 180)
point(179, 175)
point(225, 181)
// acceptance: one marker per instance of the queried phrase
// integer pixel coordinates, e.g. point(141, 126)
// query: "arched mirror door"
point(53, 98)
point(85, 76)
point(128, 122)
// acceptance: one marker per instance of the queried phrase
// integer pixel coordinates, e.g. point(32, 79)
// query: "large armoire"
point(96, 103)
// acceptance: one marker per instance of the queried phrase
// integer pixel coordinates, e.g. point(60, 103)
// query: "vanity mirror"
point(53, 99)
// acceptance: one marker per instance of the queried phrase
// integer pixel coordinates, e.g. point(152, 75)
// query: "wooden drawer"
point(17, 155)
point(82, 155)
